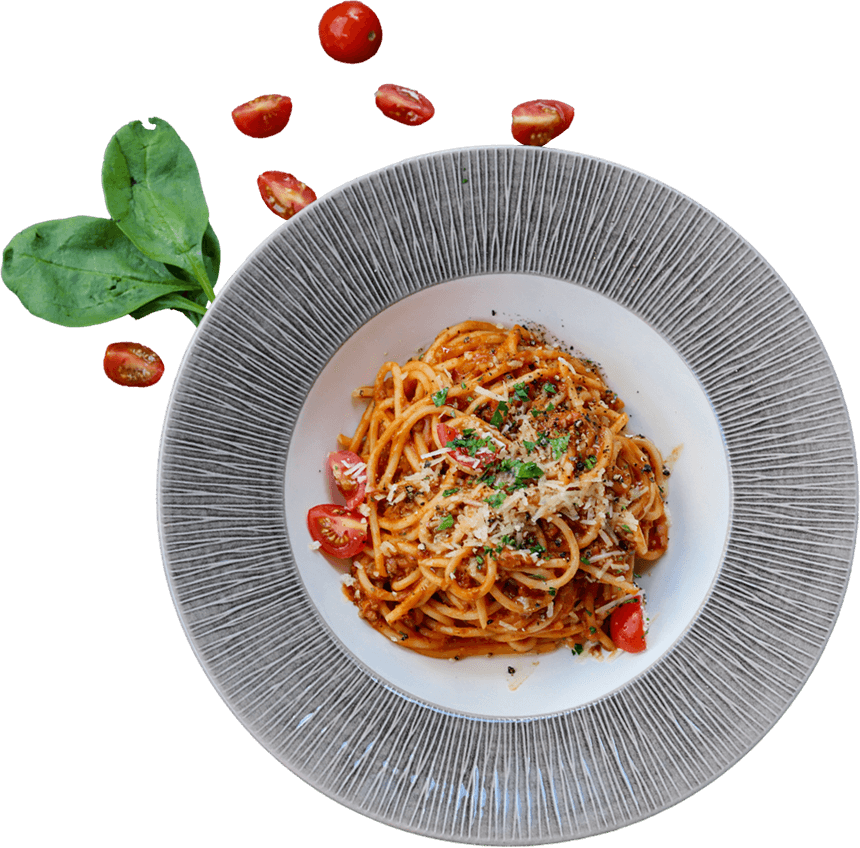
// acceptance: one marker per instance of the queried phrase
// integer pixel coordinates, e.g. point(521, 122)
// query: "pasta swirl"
point(507, 506)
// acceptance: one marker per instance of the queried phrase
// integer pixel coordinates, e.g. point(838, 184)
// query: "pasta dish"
point(495, 502)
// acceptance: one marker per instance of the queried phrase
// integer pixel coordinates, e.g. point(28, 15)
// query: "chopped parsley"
point(440, 397)
point(521, 392)
point(559, 445)
point(496, 500)
point(499, 414)
point(590, 462)
point(446, 523)
point(448, 492)
point(550, 389)
point(529, 446)
point(576, 649)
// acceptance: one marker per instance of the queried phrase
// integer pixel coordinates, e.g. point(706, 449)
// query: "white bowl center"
point(665, 402)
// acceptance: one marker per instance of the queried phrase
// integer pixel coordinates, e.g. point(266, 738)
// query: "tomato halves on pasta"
point(627, 626)
point(347, 473)
point(341, 532)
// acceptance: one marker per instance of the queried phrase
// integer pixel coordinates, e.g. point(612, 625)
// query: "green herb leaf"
point(153, 192)
point(83, 271)
point(590, 462)
point(496, 500)
point(446, 523)
point(528, 470)
point(521, 392)
point(559, 445)
point(448, 492)
point(499, 414)
point(529, 446)
point(440, 397)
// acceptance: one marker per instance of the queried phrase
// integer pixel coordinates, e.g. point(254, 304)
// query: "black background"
point(734, 117)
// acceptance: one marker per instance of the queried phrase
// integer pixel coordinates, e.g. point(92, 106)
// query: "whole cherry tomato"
point(263, 116)
point(539, 121)
point(350, 32)
point(283, 193)
point(131, 364)
point(404, 105)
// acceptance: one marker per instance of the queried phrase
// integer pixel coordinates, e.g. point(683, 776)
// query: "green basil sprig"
point(158, 250)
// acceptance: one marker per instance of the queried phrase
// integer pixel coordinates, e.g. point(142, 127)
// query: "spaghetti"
point(506, 506)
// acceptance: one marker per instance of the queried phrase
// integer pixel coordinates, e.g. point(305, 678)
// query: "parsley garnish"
point(550, 389)
point(530, 446)
point(499, 414)
point(521, 392)
point(576, 649)
point(449, 492)
point(446, 523)
point(496, 500)
point(440, 397)
point(590, 462)
point(559, 445)
point(551, 591)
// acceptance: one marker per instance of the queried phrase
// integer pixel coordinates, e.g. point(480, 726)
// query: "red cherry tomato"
point(263, 116)
point(627, 626)
point(539, 121)
point(350, 32)
point(483, 455)
point(347, 471)
point(131, 364)
point(341, 532)
point(404, 105)
point(283, 193)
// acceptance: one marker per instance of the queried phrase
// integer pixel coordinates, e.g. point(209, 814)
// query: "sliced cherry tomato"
point(341, 532)
point(131, 364)
point(350, 32)
point(539, 121)
point(404, 105)
point(263, 116)
point(283, 193)
point(483, 455)
point(627, 626)
point(348, 473)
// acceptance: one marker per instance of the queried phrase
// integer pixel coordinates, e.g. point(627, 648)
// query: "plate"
point(713, 355)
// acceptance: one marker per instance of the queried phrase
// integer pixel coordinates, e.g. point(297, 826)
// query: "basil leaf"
point(152, 190)
point(82, 271)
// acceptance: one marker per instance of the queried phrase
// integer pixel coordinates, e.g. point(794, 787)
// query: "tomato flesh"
point(263, 116)
point(347, 472)
point(341, 532)
point(350, 32)
point(283, 193)
point(404, 105)
point(538, 121)
point(627, 626)
point(132, 364)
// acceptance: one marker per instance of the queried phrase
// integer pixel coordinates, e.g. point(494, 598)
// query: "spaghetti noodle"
point(506, 506)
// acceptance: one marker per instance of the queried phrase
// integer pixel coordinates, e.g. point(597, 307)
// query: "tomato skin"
point(342, 475)
point(480, 460)
point(341, 532)
point(263, 116)
point(350, 32)
point(538, 121)
point(283, 193)
point(132, 364)
point(404, 105)
point(627, 626)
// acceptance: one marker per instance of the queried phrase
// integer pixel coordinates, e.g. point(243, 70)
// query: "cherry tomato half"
point(627, 626)
point(131, 364)
point(539, 121)
point(404, 105)
point(347, 472)
point(283, 193)
point(263, 116)
point(350, 32)
point(483, 455)
point(341, 532)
